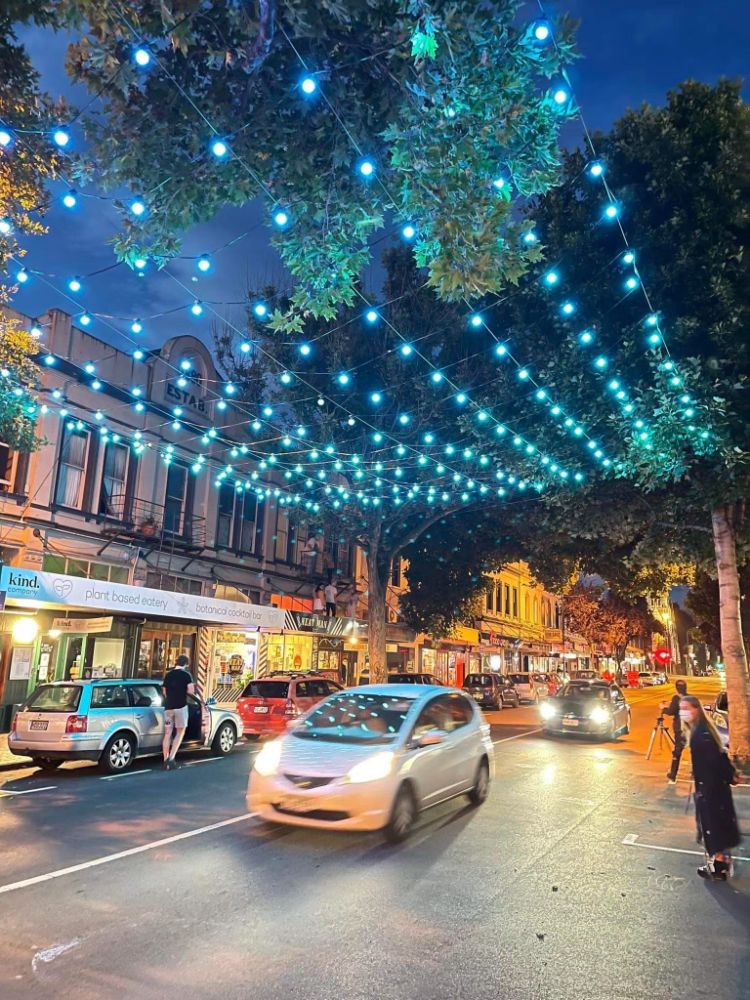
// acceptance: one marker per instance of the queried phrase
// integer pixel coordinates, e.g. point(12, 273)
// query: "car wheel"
point(46, 763)
point(481, 789)
point(403, 814)
point(225, 739)
point(118, 754)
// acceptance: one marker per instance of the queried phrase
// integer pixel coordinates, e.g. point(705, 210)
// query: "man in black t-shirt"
point(177, 685)
point(673, 710)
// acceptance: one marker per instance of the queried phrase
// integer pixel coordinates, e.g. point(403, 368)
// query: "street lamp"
point(25, 631)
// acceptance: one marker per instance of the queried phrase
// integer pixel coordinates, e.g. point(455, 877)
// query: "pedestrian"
point(176, 685)
point(330, 596)
point(318, 599)
point(673, 711)
point(713, 775)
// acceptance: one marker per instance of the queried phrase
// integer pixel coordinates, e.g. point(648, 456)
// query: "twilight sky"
point(632, 52)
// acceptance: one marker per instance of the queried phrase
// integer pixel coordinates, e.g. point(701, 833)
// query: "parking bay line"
point(26, 791)
point(141, 849)
point(631, 841)
point(126, 774)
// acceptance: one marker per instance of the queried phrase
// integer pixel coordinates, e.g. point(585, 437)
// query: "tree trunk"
point(377, 580)
point(732, 645)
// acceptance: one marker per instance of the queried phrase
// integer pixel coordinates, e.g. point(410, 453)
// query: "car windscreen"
point(266, 689)
point(404, 679)
point(519, 678)
point(583, 690)
point(54, 698)
point(352, 717)
point(478, 679)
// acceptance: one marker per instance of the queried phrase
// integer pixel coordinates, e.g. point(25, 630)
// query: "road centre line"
point(141, 849)
point(518, 736)
point(631, 838)
point(26, 791)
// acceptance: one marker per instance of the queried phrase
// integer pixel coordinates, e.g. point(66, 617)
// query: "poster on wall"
point(20, 664)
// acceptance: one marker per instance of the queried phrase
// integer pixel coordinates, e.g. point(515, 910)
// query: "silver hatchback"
point(111, 722)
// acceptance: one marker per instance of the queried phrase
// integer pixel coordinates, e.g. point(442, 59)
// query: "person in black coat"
point(713, 774)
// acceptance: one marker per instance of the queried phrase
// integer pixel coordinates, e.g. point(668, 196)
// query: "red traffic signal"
point(662, 655)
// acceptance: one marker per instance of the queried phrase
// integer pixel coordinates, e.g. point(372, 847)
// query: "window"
point(71, 473)
point(227, 496)
point(110, 696)
point(61, 698)
point(317, 689)
point(266, 689)
point(396, 573)
point(145, 695)
point(515, 602)
point(506, 588)
point(281, 538)
point(177, 584)
point(443, 715)
point(490, 599)
point(84, 568)
point(302, 690)
point(7, 462)
point(114, 479)
point(175, 499)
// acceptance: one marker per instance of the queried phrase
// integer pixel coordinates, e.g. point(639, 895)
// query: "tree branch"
point(257, 53)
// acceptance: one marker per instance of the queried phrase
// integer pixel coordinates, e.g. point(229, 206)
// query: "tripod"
point(663, 732)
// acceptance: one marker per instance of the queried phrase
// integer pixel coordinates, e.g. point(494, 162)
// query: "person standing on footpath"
point(673, 711)
point(713, 775)
point(177, 685)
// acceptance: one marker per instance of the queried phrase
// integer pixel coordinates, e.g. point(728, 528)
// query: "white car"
point(647, 679)
point(372, 758)
point(530, 687)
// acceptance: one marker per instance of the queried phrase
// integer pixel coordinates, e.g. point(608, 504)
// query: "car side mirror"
point(430, 739)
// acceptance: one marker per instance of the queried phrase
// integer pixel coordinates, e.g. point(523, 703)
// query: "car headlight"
point(267, 761)
point(378, 766)
point(547, 711)
point(599, 715)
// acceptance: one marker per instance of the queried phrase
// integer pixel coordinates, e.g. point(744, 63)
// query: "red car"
point(269, 703)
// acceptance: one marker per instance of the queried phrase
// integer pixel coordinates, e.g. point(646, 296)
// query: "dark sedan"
point(491, 690)
point(590, 708)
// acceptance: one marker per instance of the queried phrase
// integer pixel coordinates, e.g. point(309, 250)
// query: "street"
point(575, 880)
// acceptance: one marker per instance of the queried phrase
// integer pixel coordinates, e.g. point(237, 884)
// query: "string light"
point(6, 138)
point(74, 285)
point(308, 85)
point(22, 276)
point(70, 199)
point(84, 319)
point(611, 211)
point(372, 316)
point(142, 57)
point(219, 148)
point(203, 263)
point(197, 308)
point(408, 231)
point(136, 326)
point(137, 207)
point(366, 168)
point(260, 309)
point(596, 169)
point(281, 218)
point(60, 138)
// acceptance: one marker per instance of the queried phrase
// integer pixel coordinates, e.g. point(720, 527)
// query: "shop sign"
point(300, 621)
point(463, 634)
point(82, 625)
point(29, 587)
point(185, 397)
point(329, 645)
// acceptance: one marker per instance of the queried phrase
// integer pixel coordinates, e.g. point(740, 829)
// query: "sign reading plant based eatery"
point(29, 588)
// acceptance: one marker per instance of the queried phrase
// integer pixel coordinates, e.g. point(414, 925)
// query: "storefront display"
point(289, 653)
point(235, 657)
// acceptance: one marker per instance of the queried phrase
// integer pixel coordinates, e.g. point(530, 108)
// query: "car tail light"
point(76, 724)
point(290, 709)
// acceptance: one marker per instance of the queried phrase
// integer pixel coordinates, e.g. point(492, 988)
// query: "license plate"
point(570, 722)
point(295, 803)
point(261, 709)
point(38, 724)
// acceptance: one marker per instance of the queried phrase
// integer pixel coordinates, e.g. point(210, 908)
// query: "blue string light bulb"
point(70, 199)
point(308, 86)
point(61, 137)
point(142, 57)
point(219, 148)
point(366, 168)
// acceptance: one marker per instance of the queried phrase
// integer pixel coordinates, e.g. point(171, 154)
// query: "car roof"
point(290, 677)
point(414, 691)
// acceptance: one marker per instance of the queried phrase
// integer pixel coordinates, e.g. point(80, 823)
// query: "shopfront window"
point(288, 653)
point(160, 648)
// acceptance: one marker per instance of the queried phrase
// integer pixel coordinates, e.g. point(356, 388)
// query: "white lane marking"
point(142, 848)
point(631, 838)
point(50, 954)
point(203, 760)
point(126, 774)
point(27, 791)
point(518, 736)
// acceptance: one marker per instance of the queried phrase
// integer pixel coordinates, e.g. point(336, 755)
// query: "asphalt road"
point(575, 880)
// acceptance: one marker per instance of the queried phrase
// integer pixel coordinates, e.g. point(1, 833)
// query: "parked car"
point(587, 707)
point(585, 675)
point(718, 713)
point(112, 722)
point(660, 677)
point(373, 758)
point(409, 678)
point(491, 690)
point(530, 687)
point(646, 679)
point(269, 704)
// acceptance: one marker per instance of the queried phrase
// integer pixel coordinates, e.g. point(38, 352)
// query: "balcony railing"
point(166, 525)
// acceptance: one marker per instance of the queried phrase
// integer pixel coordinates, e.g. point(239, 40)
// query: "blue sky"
point(632, 52)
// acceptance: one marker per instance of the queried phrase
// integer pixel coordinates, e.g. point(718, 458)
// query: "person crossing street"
point(176, 685)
